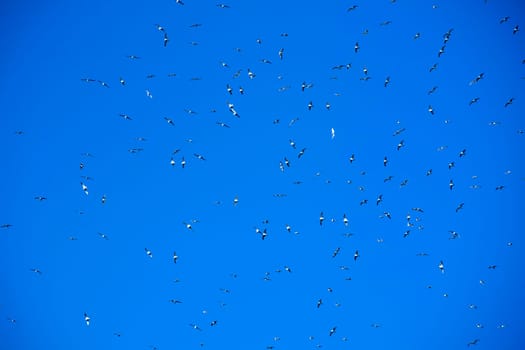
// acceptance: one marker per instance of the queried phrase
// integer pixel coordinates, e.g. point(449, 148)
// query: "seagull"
point(387, 81)
point(241, 90)
point(321, 219)
point(236, 201)
point(516, 29)
point(332, 133)
point(319, 303)
point(103, 83)
point(474, 100)
point(352, 8)
point(310, 105)
point(441, 266)
point(356, 255)
point(477, 79)
point(433, 68)
point(345, 220)
point(169, 121)
point(281, 53)
point(148, 252)
point(400, 144)
point(37, 271)
point(122, 81)
point(287, 269)
point(40, 198)
point(87, 319)
point(198, 156)
point(224, 125)
point(292, 143)
point(431, 91)
point(430, 109)
point(356, 47)
point(332, 331)
point(336, 251)
point(175, 301)
point(385, 161)
point(84, 188)
point(473, 342)
point(379, 199)
point(301, 153)
point(251, 74)
point(462, 153)
point(504, 19)
point(417, 35)
point(103, 236)
point(509, 102)
point(6, 226)
point(352, 158)
point(459, 207)
point(451, 184)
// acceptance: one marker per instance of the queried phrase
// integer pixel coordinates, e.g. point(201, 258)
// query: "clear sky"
point(133, 131)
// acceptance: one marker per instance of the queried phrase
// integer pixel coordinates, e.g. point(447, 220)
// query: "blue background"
point(390, 298)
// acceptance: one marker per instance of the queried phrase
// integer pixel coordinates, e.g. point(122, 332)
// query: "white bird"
point(148, 252)
point(86, 319)
point(332, 133)
point(84, 188)
point(441, 266)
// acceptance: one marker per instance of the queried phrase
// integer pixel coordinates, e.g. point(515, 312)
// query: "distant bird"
point(417, 35)
point(281, 53)
point(332, 331)
point(385, 161)
point(87, 319)
point(515, 29)
point(473, 342)
point(474, 100)
point(148, 252)
point(441, 266)
point(379, 199)
point(198, 156)
point(223, 6)
point(504, 19)
point(310, 105)
point(6, 226)
point(235, 200)
point(509, 102)
point(356, 47)
point(301, 153)
point(431, 91)
point(40, 198)
point(400, 145)
point(321, 219)
point(431, 109)
point(103, 235)
point(175, 301)
point(84, 188)
point(175, 257)
point(37, 271)
point(451, 184)
point(433, 68)
point(459, 207)
point(352, 158)
point(345, 220)
point(477, 78)
point(336, 251)
point(319, 303)
point(169, 121)
point(356, 255)
point(387, 81)
point(462, 153)
point(352, 8)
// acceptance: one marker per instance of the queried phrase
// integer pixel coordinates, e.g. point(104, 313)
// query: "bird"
point(477, 78)
point(336, 251)
point(332, 331)
point(431, 109)
point(356, 47)
point(35, 270)
point(319, 303)
point(459, 207)
point(321, 219)
point(84, 188)
point(441, 266)
point(6, 225)
point(504, 19)
point(432, 90)
point(474, 100)
point(509, 102)
point(387, 81)
point(301, 153)
point(87, 319)
point(473, 342)
point(352, 8)
point(198, 156)
point(169, 121)
point(175, 301)
point(281, 53)
point(515, 29)
point(400, 145)
point(175, 257)
point(148, 252)
point(385, 161)
point(345, 220)
point(40, 198)
point(451, 184)
point(356, 255)
point(103, 235)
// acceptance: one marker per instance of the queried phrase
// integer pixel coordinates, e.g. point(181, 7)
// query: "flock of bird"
point(296, 152)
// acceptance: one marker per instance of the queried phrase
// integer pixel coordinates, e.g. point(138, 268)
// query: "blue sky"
point(71, 254)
